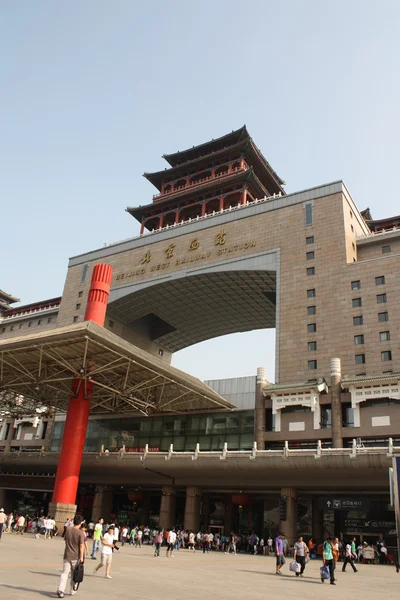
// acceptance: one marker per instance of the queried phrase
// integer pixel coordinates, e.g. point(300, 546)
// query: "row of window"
point(384, 336)
point(383, 317)
point(30, 323)
point(386, 355)
point(356, 285)
point(380, 298)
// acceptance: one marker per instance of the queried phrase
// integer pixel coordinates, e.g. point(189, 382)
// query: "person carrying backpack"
point(328, 559)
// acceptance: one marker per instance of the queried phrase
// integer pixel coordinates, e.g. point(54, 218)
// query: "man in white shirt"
point(191, 541)
point(90, 529)
point(51, 524)
point(21, 525)
point(124, 534)
point(3, 519)
point(107, 545)
point(171, 539)
point(348, 559)
point(116, 534)
point(139, 536)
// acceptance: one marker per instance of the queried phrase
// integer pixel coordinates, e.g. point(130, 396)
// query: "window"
point(384, 336)
point(75, 319)
point(80, 294)
point(381, 299)
point(49, 320)
point(311, 310)
point(77, 307)
point(30, 324)
point(387, 355)
point(310, 239)
point(326, 416)
point(358, 340)
point(310, 255)
point(311, 327)
point(111, 324)
point(311, 271)
point(356, 302)
point(4, 329)
point(20, 326)
point(309, 213)
point(360, 359)
point(354, 248)
point(12, 328)
point(356, 285)
point(380, 280)
point(358, 320)
point(39, 322)
point(160, 352)
point(312, 364)
point(84, 272)
point(386, 249)
point(382, 317)
point(311, 293)
point(312, 346)
point(351, 214)
point(352, 230)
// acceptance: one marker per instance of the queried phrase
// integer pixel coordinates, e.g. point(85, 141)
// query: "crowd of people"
point(20, 524)
point(105, 537)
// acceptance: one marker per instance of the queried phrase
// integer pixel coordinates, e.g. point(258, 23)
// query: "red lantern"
point(241, 499)
point(135, 496)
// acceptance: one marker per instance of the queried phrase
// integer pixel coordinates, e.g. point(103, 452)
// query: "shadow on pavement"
point(48, 574)
point(24, 589)
point(284, 577)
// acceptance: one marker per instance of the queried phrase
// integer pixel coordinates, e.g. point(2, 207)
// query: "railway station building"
point(222, 249)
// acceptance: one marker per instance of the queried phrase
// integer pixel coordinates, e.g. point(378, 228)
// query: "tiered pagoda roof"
point(377, 225)
point(197, 174)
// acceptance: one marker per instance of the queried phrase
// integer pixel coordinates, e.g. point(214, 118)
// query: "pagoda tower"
point(226, 172)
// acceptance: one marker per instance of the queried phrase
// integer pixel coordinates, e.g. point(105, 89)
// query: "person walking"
point(206, 543)
point(191, 542)
point(158, 539)
point(124, 534)
point(74, 552)
point(171, 539)
point(328, 560)
point(280, 558)
point(300, 554)
point(10, 521)
point(97, 537)
point(21, 525)
point(348, 558)
point(106, 552)
point(3, 521)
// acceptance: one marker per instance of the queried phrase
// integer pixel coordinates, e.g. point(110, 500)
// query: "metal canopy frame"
point(37, 371)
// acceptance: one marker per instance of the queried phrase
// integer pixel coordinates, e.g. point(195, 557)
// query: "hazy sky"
point(93, 92)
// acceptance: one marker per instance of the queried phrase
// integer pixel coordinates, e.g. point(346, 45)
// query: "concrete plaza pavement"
point(30, 568)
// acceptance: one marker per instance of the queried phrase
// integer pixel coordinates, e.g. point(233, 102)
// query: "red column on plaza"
point(69, 465)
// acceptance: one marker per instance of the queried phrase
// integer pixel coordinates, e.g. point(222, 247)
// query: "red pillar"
point(160, 221)
point(177, 216)
point(244, 196)
point(203, 208)
point(221, 203)
point(69, 465)
point(142, 227)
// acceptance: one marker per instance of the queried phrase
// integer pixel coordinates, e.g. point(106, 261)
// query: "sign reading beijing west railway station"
point(194, 254)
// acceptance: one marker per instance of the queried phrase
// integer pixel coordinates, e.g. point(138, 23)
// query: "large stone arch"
point(201, 302)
